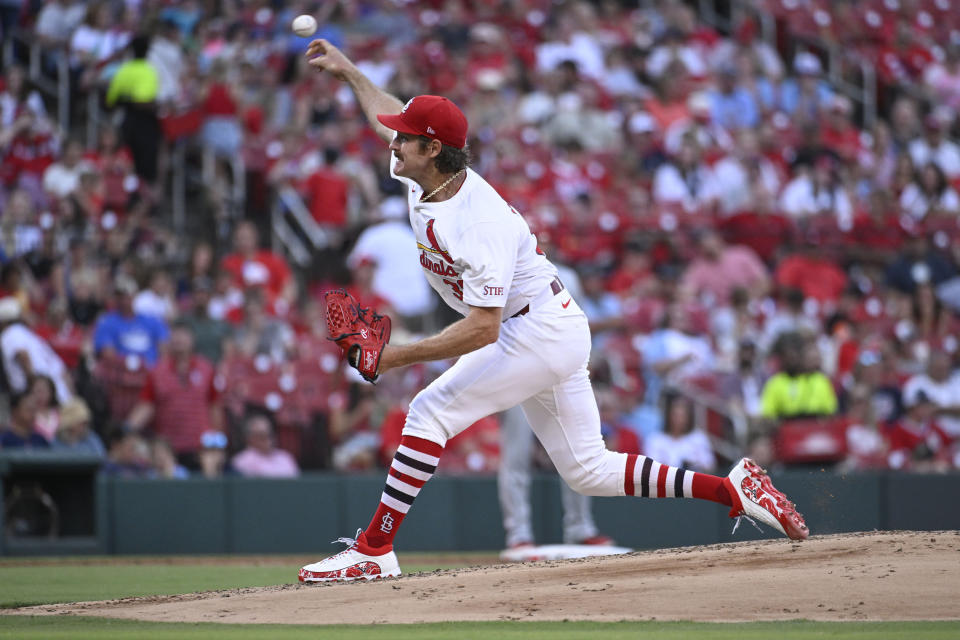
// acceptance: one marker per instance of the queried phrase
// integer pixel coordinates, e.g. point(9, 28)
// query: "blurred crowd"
point(761, 273)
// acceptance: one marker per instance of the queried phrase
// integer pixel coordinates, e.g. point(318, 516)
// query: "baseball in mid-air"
point(304, 26)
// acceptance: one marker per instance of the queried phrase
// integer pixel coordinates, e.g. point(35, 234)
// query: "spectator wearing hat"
point(807, 95)
point(933, 146)
point(800, 389)
point(124, 332)
point(261, 458)
point(720, 268)
point(699, 125)
point(25, 354)
point(398, 277)
point(74, 434)
point(20, 433)
point(645, 145)
point(251, 267)
point(180, 399)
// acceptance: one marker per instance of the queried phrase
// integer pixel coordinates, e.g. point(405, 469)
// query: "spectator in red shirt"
point(916, 441)
point(252, 267)
point(326, 193)
point(180, 398)
point(720, 269)
point(811, 272)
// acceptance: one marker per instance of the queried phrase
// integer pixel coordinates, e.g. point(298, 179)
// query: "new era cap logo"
point(431, 131)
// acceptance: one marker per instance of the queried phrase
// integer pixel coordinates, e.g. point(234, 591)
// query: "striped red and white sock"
point(647, 478)
point(414, 463)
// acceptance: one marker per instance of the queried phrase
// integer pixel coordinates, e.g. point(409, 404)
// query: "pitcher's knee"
point(600, 476)
point(421, 424)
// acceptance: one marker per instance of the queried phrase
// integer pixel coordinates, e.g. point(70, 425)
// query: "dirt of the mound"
point(867, 576)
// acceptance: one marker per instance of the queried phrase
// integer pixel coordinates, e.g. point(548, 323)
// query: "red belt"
point(555, 285)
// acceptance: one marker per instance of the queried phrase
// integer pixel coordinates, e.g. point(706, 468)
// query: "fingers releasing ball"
point(304, 26)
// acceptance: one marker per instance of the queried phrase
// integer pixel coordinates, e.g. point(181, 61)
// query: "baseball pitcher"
point(522, 340)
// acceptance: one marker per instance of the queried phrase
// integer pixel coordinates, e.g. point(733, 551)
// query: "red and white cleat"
point(353, 563)
point(755, 497)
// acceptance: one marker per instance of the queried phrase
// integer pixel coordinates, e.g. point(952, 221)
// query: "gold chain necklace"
point(437, 190)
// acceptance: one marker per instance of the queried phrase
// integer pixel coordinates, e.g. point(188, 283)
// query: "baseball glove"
point(360, 333)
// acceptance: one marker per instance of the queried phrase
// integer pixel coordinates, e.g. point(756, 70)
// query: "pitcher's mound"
point(865, 576)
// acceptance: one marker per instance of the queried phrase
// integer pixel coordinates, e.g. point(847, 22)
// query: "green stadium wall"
point(240, 515)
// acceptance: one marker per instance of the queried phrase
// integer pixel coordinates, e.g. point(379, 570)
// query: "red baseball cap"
point(431, 116)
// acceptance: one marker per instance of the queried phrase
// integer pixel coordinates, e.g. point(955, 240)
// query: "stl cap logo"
point(363, 333)
point(406, 106)
point(386, 524)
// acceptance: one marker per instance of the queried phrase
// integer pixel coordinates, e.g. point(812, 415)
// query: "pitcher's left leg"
point(566, 420)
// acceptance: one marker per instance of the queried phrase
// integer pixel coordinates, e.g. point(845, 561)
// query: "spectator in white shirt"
point(58, 19)
point(942, 386)
point(61, 178)
point(746, 180)
point(157, 299)
point(933, 146)
point(687, 181)
point(398, 276)
point(26, 354)
point(166, 56)
point(674, 46)
point(680, 444)
point(930, 194)
point(96, 41)
point(571, 43)
point(817, 192)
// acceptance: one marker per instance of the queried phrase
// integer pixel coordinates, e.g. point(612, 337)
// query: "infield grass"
point(76, 628)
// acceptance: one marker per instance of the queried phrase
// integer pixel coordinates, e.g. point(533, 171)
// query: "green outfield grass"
point(48, 583)
point(26, 628)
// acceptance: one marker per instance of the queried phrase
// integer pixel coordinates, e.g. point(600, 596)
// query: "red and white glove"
point(360, 333)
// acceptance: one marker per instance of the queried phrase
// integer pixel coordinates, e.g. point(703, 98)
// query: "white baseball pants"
point(540, 363)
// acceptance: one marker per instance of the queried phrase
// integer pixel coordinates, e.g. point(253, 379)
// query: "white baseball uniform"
point(478, 251)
